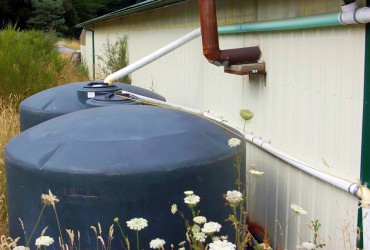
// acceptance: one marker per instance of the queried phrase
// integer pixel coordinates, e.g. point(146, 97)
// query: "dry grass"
point(9, 126)
point(72, 72)
point(73, 44)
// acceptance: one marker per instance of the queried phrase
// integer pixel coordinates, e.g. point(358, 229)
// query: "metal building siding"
point(309, 104)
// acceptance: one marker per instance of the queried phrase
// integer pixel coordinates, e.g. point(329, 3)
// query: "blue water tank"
point(69, 98)
point(121, 162)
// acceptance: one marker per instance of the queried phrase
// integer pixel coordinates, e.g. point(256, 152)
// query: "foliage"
point(29, 62)
point(47, 15)
point(115, 58)
point(74, 12)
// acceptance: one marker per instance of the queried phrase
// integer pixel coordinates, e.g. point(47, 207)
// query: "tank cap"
point(99, 85)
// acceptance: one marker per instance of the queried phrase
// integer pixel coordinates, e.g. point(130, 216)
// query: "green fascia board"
point(133, 9)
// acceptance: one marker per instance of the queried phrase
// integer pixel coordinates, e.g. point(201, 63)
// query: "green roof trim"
point(133, 9)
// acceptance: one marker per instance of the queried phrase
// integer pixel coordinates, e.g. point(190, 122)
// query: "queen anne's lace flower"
point(44, 241)
point(201, 237)
point(157, 243)
point(211, 227)
point(137, 224)
point(255, 172)
point(21, 248)
point(234, 196)
point(308, 245)
point(49, 199)
point(200, 219)
point(298, 209)
point(246, 114)
point(192, 199)
point(195, 229)
point(173, 208)
point(187, 193)
point(234, 142)
point(221, 245)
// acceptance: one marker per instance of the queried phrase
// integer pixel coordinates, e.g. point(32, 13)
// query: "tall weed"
point(115, 57)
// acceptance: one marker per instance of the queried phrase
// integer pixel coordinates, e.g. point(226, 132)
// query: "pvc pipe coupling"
point(364, 193)
point(352, 14)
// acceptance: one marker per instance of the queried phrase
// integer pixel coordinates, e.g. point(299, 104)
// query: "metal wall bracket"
point(246, 69)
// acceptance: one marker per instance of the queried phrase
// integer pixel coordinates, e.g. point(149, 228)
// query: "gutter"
point(130, 10)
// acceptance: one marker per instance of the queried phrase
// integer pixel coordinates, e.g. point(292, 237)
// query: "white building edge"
point(310, 104)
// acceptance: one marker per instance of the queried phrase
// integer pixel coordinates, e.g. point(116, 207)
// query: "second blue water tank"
point(69, 98)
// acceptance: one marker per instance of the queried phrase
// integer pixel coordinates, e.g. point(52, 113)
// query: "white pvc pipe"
point(153, 56)
point(352, 14)
point(345, 185)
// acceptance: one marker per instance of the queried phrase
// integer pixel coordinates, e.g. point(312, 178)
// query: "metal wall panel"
point(309, 104)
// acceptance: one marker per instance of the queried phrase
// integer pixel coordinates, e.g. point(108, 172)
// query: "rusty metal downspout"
point(211, 49)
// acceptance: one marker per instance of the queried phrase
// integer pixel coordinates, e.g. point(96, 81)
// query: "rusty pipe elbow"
point(211, 49)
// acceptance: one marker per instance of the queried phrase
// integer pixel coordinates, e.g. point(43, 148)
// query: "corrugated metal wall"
point(309, 104)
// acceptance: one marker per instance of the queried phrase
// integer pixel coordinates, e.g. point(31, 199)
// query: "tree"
point(47, 15)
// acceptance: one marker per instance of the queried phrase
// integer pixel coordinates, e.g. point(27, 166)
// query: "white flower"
point(44, 241)
point(157, 243)
point(221, 245)
point(192, 199)
point(201, 237)
point(200, 219)
point(297, 209)
point(195, 229)
point(173, 208)
point(211, 227)
point(263, 246)
point(182, 248)
point(234, 196)
point(255, 172)
point(49, 199)
point(308, 245)
point(137, 223)
point(182, 243)
point(20, 248)
point(234, 142)
point(187, 193)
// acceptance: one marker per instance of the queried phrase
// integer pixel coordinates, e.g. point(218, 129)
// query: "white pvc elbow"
point(352, 14)
point(110, 79)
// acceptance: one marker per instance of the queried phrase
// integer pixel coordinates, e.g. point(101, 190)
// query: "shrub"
point(29, 62)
